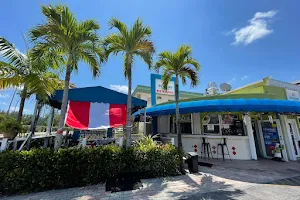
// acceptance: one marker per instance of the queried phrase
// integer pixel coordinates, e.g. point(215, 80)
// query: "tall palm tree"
point(130, 42)
point(183, 66)
point(67, 41)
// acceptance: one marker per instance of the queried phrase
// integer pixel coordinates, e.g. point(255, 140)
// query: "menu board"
point(271, 137)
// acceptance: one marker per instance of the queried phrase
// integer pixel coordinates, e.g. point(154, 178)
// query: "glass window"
point(227, 124)
point(231, 125)
point(185, 124)
point(211, 124)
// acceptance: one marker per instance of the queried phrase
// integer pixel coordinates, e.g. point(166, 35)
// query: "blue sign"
point(271, 137)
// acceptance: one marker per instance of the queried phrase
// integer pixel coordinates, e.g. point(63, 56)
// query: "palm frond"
point(89, 25)
point(193, 62)
point(146, 56)
point(139, 31)
point(11, 80)
point(115, 23)
point(11, 53)
point(179, 64)
point(146, 46)
point(166, 78)
point(191, 74)
point(184, 52)
point(90, 58)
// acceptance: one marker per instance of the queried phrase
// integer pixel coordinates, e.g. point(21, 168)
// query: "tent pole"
point(145, 128)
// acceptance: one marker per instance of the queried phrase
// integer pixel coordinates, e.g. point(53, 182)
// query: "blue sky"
point(238, 42)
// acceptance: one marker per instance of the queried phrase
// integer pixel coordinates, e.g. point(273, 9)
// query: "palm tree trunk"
point(179, 139)
point(64, 104)
point(129, 118)
point(177, 114)
point(36, 116)
point(22, 103)
point(12, 99)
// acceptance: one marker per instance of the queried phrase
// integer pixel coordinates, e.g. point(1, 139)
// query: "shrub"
point(146, 142)
point(10, 127)
point(44, 169)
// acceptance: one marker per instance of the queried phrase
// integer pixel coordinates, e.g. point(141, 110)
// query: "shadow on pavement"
point(260, 171)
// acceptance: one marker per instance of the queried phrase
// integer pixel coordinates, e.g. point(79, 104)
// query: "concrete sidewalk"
point(225, 180)
point(192, 186)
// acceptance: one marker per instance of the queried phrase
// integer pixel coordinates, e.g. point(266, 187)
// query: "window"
point(226, 124)
point(211, 124)
point(231, 125)
point(185, 124)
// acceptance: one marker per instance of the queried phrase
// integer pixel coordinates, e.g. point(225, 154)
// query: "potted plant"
point(10, 127)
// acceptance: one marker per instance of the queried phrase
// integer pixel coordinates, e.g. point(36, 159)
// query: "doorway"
point(256, 135)
point(270, 134)
point(293, 136)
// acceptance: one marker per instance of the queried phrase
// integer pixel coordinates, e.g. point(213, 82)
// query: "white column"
point(145, 121)
point(50, 121)
point(284, 139)
point(247, 120)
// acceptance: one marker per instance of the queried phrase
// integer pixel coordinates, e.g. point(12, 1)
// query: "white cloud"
point(256, 29)
point(231, 80)
point(119, 88)
point(16, 108)
point(4, 96)
point(3, 103)
point(244, 77)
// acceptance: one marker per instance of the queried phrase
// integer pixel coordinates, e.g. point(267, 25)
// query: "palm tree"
point(130, 43)
point(16, 66)
point(182, 65)
point(65, 41)
point(34, 77)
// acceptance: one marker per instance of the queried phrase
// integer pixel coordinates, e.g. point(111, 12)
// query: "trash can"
point(192, 161)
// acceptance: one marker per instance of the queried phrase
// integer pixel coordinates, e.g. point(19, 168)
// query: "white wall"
point(240, 143)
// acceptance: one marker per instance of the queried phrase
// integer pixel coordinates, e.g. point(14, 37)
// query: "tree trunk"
point(177, 114)
point(129, 118)
point(36, 116)
point(179, 140)
point(22, 103)
point(64, 104)
point(12, 99)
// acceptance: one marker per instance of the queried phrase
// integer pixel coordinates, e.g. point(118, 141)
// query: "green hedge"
point(44, 169)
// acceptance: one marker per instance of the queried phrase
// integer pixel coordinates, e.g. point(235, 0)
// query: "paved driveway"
point(262, 179)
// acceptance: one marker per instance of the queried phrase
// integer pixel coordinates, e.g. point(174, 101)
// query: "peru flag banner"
point(88, 115)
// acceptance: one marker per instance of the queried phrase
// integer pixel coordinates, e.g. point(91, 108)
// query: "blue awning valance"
point(226, 105)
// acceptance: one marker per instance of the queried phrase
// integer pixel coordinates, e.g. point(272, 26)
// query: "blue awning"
point(226, 105)
point(95, 94)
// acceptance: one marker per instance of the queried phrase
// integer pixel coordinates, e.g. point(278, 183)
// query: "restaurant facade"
point(245, 123)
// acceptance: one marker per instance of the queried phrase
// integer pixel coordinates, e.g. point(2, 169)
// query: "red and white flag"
point(88, 115)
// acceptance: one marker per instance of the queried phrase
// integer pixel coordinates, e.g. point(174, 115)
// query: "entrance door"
point(293, 136)
point(256, 139)
point(269, 136)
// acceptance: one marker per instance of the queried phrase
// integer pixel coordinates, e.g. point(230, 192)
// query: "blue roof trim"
point(226, 105)
point(96, 94)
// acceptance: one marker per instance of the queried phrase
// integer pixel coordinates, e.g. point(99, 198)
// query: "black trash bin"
point(192, 161)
